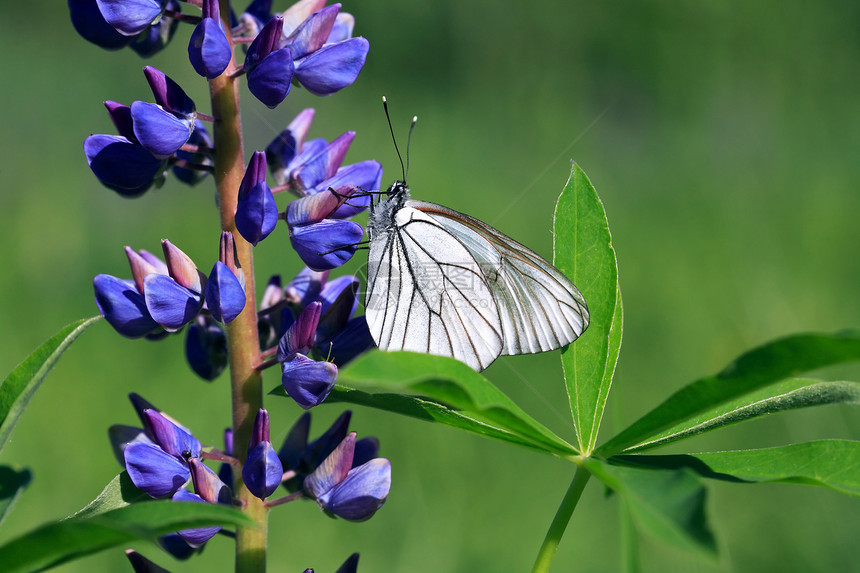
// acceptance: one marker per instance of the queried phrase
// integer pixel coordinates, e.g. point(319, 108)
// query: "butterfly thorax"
point(382, 214)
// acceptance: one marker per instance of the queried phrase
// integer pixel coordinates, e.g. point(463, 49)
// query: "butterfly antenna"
point(394, 139)
point(409, 145)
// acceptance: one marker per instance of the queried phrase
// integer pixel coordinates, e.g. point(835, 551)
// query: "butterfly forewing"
point(428, 293)
point(539, 308)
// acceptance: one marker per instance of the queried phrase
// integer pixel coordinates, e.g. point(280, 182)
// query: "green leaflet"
point(755, 369)
point(583, 252)
point(829, 463)
point(21, 384)
point(72, 538)
point(430, 411)
point(780, 397)
point(120, 492)
point(463, 398)
point(668, 505)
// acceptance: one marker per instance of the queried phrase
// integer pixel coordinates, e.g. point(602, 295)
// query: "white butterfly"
point(445, 283)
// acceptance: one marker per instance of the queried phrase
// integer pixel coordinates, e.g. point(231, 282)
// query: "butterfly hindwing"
point(428, 293)
point(539, 308)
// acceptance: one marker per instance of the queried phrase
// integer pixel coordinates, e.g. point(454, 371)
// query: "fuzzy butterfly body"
point(444, 283)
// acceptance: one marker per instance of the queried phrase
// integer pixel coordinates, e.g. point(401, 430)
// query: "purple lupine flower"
point(225, 288)
point(209, 50)
point(166, 125)
point(256, 211)
point(305, 287)
point(299, 12)
point(332, 67)
point(307, 381)
point(156, 37)
point(207, 484)
point(263, 471)
point(317, 52)
point(206, 347)
point(352, 493)
point(122, 165)
point(269, 66)
point(130, 17)
point(162, 461)
point(199, 535)
point(92, 26)
point(176, 546)
point(321, 242)
point(325, 59)
point(303, 458)
point(151, 136)
point(340, 336)
point(310, 167)
point(174, 300)
point(225, 296)
point(146, 37)
point(123, 306)
point(161, 468)
point(122, 302)
point(323, 165)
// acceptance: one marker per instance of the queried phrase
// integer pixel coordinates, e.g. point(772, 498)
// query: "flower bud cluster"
point(320, 231)
point(309, 327)
point(152, 137)
point(342, 474)
point(313, 321)
point(167, 295)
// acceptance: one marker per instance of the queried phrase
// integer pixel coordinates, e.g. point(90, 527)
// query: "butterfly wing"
point(540, 309)
point(427, 293)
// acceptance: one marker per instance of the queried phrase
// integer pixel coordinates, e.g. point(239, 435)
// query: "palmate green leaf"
point(779, 397)
point(583, 252)
point(120, 492)
point(668, 505)
point(829, 463)
point(756, 369)
point(72, 538)
point(18, 388)
point(463, 398)
point(12, 484)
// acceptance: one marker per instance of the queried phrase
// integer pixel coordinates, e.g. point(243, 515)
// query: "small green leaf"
point(18, 388)
point(756, 369)
point(452, 383)
point(828, 463)
point(583, 252)
point(120, 492)
point(12, 484)
point(69, 539)
point(780, 397)
point(668, 505)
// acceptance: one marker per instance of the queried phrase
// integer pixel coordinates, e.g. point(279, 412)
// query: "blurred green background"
point(721, 136)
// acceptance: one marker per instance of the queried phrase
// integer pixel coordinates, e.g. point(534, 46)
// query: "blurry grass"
point(726, 156)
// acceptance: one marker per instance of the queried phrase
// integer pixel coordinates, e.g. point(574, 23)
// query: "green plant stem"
point(560, 521)
point(243, 344)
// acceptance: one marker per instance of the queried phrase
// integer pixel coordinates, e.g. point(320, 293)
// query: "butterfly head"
point(398, 191)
